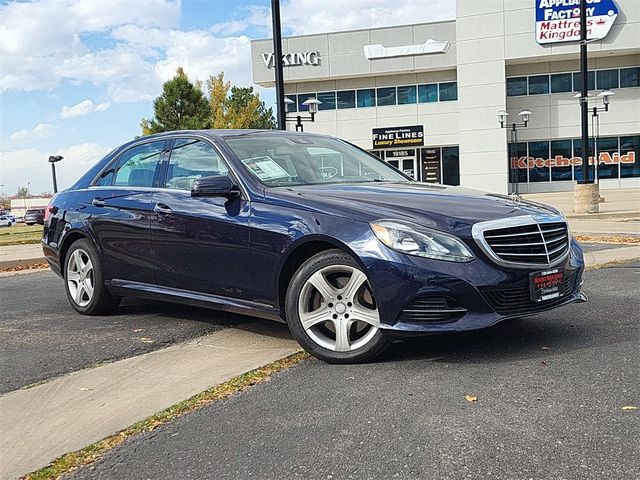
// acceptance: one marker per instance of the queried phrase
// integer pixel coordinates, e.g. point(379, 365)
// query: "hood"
point(446, 208)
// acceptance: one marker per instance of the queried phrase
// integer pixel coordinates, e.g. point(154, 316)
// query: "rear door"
point(200, 243)
point(120, 208)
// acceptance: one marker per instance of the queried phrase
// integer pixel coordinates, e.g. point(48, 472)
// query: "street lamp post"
point(311, 103)
point(277, 64)
point(513, 139)
point(52, 160)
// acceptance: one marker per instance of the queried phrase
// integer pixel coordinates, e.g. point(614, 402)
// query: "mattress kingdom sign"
point(559, 20)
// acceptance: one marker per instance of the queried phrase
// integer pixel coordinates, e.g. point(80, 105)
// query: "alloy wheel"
point(80, 278)
point(337, 309)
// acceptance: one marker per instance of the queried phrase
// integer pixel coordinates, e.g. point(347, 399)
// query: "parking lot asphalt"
point(550, 394)
point(41, 336)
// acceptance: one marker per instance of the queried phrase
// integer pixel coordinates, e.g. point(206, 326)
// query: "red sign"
point(562, 161)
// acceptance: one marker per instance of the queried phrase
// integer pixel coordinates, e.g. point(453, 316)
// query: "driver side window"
point(192, 159)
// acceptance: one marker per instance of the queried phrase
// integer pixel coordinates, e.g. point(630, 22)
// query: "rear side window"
point(138, 166)
point(192, 159)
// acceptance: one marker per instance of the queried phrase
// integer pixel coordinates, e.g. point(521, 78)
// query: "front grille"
point(431, 310)
point(532, 244)
point(510, 301)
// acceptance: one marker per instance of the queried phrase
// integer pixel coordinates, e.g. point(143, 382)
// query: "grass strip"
point(74, 460)
point(608, 239)
point(20, 235)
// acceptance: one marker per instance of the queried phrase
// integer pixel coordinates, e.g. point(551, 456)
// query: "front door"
point(200, 243)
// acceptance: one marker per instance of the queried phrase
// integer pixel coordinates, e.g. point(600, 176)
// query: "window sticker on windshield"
point(265, 168)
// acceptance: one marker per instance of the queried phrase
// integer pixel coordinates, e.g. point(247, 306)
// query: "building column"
point(481, 93)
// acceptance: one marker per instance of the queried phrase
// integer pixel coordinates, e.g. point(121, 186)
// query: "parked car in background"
point(33, 216)
point(7, 221)
point(306, 229)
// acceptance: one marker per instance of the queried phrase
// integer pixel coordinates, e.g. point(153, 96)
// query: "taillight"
point(48, 211)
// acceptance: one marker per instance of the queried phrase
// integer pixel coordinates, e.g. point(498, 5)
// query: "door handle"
point(162, 208)
point(98, 202)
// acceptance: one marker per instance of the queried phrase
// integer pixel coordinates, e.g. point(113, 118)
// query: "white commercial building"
point(425, 97)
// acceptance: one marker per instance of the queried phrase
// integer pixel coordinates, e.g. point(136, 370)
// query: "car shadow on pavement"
point(512, 339)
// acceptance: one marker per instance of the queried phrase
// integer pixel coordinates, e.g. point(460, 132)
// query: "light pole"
point(52, 160)
point(513, 132)
point(277, 64)
point(312, 104)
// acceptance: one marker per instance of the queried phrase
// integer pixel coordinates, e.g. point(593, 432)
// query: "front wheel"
point(84, 280)
point(331, 310)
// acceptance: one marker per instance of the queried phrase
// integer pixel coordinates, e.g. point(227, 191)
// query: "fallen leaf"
point(145, 340)
point(138, 330)
point(471, 398)
point(545, 348)
point(630, 407)
point(85, 389)
point(543, 363)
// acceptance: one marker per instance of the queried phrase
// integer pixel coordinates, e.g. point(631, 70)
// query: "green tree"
point(236, 107)
point(248, 104)
point(181, 106)
point(23, 192)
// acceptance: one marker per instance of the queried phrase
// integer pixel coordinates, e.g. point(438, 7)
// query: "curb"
point(21, 262)
point(629, 216)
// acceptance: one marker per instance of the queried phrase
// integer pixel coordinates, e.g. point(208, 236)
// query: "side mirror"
point(215, 186)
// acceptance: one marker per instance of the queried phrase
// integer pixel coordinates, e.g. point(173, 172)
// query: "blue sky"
point(77, 76)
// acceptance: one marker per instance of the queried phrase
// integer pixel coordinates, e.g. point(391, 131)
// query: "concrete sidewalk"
point(617, 204)
point(18, 255)
point(70, 412)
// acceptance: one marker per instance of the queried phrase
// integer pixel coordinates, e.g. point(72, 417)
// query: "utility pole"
point(277, 64)
point(586, 194)
point(584, 92)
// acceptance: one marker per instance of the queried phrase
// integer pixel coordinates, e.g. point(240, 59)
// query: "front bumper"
point(418, 295)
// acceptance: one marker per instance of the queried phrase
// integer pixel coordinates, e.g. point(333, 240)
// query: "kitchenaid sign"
point(293, 59)
point(559, 20)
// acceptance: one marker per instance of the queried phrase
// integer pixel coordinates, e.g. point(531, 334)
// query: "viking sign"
point(293, 59)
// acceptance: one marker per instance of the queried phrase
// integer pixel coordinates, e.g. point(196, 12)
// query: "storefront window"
point(303, 97)
point(347, 99)
point(451, 165)
point(386, 96)
point(366, 98)
point(448, 91)
point(517, 151)
point(561, 152)
point(561, 82)
point(539, 151)
point(292, 107)
point(630, 77)
point(606, 147)
point(328, 100)
point(539, 85)
point(516, 86)
point(630, 146)
point(407, 95)
point(428, 93)
point(577, 152)
point(607, 79)
point(591, 81)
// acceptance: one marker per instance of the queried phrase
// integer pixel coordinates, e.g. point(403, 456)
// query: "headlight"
point(420, 241)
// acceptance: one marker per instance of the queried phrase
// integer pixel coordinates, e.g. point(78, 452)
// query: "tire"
point(331, 311)
point(84, 281)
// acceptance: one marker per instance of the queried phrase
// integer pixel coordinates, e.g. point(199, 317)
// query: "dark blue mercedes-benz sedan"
point(307, 229)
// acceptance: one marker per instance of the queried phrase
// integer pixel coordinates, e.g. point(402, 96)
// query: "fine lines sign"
point(559, 20)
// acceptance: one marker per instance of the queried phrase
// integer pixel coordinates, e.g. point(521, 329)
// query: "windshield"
point(308, 160)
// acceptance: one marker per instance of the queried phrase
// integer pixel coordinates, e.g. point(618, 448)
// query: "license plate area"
point(546, 285)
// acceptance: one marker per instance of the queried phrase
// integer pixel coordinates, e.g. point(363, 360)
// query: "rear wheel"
point(331, 310)
point(84, 281)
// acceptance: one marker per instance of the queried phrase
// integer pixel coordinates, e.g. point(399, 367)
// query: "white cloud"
point(300, 17)
point(30, 164)
point(41, 130)
point(83, 108)
point(39, 38)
